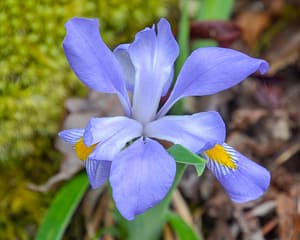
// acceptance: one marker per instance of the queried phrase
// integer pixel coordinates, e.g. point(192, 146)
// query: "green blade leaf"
point(180, 227)
point(62, 208)
point(215, 9)
point(183, 38)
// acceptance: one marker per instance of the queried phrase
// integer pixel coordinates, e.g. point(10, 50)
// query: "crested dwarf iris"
point(125, 149)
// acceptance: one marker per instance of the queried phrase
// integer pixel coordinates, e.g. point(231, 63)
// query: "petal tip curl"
point(263, 67)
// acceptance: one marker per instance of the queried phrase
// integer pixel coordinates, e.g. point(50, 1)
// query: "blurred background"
point(40, 95)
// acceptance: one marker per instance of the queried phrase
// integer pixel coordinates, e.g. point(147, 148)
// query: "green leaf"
point(180, 227)
point(215, 9)
point(183, 155)
point(200, 168)
point(62, 208)
point(183, 38)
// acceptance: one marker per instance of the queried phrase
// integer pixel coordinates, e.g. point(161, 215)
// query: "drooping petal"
point(210, 70)
point(121, 53)
point(97, 171)
point(242, 179)
point(153, 56)
point(196, 132)
point(111, 134)
point(71, 136)
point(141, 176)
point(92, 61)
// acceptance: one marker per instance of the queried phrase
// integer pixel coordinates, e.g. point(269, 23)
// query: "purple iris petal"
point(210, 70)
point(248, 182)
point(141, 176)
point(153, 56)
point(111, 134)
point(121, 53)
point(92, 61)
point(140, 170)
point(97, 171)
point(71, 135)
point(197, 132)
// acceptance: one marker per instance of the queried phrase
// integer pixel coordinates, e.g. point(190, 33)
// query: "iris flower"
point(125, 149)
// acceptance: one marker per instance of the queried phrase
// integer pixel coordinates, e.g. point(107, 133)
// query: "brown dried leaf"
point(263, 209)
point(248, 145)
point(270, 96)
point(221, 232)
point(286, 209)
point(224, 32)
point(275, 7)
point(252, 24)
point(168, 233)
point(91, 204)
point(269, 226)
point(243, 117)
point(182, 209)
point(284, 48)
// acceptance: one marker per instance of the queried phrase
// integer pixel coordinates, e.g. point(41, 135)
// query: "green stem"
point(183, 41)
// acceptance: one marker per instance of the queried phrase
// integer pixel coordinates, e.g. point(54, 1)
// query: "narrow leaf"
point(62, 208)
point(215, 9)
point(180, 227)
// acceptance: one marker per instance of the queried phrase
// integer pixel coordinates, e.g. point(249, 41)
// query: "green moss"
point(34, 75)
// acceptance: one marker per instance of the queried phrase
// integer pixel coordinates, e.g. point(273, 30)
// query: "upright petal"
point(71, 136)
point(121, 53)
point(97, 171)
point(92, 61)
point(111, 134)
point(242, 179)
point(153, 56)
point(210, 70)
point(141, 176)
point(196, 132)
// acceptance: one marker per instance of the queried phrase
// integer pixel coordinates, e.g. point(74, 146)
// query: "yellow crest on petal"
point(220, 155)
point(83, 151)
